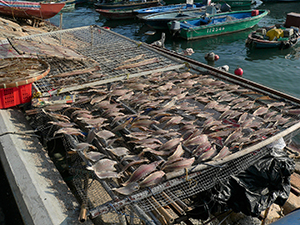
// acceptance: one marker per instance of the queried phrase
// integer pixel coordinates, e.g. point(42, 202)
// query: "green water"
point(278, 69)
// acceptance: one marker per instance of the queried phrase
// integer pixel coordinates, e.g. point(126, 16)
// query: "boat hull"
point(116, 14)
point(31, 10)
point(126, 5)
point(210, 30)
point(253, 42)
point(160, 21)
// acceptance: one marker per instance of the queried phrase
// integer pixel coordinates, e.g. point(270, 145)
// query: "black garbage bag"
point(262, 184)
point(251, 191)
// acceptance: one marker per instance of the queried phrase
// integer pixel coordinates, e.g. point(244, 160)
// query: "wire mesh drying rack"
point(156, 92)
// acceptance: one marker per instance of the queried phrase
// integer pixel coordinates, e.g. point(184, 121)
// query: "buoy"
point(108, 28)
point(238, 71)
point(216, 57)
point(210, 56)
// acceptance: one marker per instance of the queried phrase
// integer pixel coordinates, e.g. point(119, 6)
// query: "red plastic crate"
point(14, 96)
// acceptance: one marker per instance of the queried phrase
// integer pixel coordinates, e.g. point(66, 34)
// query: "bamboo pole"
point(174, 204)
point(164, 212)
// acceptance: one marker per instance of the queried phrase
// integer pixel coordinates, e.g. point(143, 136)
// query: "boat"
point(277, 36)
point(69, 5)
point(159, 21)
point(30, 10)
point(117, 14)
point(245, 4)
point(218, 24)
point(166, 8)
point(126, 4)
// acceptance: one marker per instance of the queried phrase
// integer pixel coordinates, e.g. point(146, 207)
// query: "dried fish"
point(243, 118)
point(223, 153)
point(134, 162)
point(142, 172)
point(177, 154)
point(83, 146)
point(178, 165)
point(202, 138)
point(210, 153)
point(56, 107)
point(260, 111)
point(144, 123)
point(170, 144)
point(153, 179)
point(119, 151)
point(69, 130)
point(233, 136)
point(127, 190)
point(105, 134)
point(275, 104)
point(107, 174)
point(134, 59)
point(122, 125)
point(103, 165)
point(127, 96)
point(141, 63)
point(173, 121)
point(94, 156)
point(77, 72)
point(62, 124)
point(98, 99)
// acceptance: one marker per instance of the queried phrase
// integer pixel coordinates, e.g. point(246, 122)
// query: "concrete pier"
point(40, 192)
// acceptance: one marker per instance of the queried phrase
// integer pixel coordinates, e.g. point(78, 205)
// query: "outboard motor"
point(175, 27)
point(225, 8)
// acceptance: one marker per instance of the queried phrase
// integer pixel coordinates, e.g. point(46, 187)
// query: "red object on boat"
point(238, 71)
point(30, 10)
point(217, 57)
point(255, 12)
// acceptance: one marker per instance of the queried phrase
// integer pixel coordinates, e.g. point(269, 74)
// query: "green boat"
point(218, 24)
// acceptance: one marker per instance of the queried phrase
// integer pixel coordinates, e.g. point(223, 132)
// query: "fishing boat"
point(159, 21)
point(218, 24)
point(126, 4)
point(166, 8)
point(277, 36)
point(30, 10)
point(117, 14)
point(245, 4)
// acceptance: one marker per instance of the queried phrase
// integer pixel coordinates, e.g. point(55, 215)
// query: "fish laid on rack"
point(152, 179)
point(103, 165)
point(83, 146)
point(142, 172)
point(94, 156)
point(62, 124)
point(69, 130)
point(141, 63)
point(178, 164)
point(127, 190)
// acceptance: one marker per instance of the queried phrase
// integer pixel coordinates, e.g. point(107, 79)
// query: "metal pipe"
point(164, 212)
point(173, 203)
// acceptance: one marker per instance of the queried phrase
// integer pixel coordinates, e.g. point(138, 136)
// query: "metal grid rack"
point(152, 93)
point(92, 46)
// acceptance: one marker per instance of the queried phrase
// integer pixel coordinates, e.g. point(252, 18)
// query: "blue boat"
point(273, 37)
point(166, 8)
point(159, 21)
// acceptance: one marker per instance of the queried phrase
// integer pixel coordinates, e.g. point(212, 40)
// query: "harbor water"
point(278, 69)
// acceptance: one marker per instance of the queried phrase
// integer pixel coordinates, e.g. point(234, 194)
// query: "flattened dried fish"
point(177, 154)
point(127, 190)
point(83, 146)
point(223, 153)
point(103, 165)
point(178, 165)
point(69, 130)
point(170, 144)
point(107, 174)
point(142, 172)
point(233, 136)
point(62, 124)
point(141, 63)
point(208, 154)
point(105, 134)
point(98, 99)
point(94, 156)
point(153, 179)
point(133, 59)
point(119, 151)
point(260, 111)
